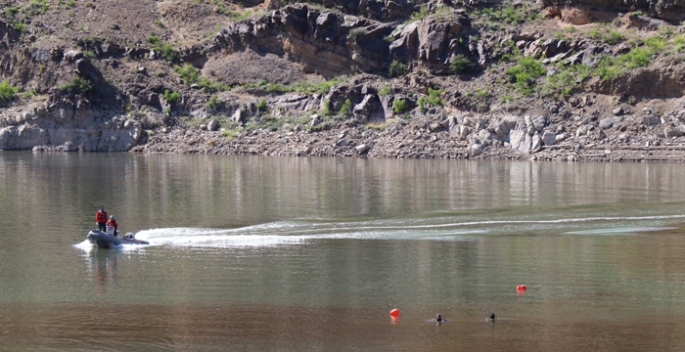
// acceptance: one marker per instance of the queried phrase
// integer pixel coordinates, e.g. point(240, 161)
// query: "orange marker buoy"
point(521, 288)
point(395, 313)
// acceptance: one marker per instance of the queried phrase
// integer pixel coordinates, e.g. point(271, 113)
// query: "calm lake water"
point(305, 254)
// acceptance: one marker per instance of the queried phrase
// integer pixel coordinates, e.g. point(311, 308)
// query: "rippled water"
point(293, 254)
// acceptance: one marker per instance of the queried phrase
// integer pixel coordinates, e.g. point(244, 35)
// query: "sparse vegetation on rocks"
point(7, 92)
point(509, 79)
point(77, 85)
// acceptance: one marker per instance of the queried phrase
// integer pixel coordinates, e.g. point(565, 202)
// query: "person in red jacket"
point(101, 219)
point(113, 223)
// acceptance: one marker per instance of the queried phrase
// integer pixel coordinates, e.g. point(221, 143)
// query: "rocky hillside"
point(547, 80)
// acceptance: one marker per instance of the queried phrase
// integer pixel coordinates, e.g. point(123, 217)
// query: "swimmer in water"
point(492, 316)
point(438, 318)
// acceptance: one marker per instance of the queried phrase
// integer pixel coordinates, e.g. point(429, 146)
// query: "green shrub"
point(397, 69)
point(656, 44)
point(568, 78)
point(189, 73)
point(20, 26)
point(326, 110)
point(37, 6)
point(213, 102)
point(608, 70)
point(208, 85)
point(155, 40)
point(325, 86)
point(300, 87)
point(272, 123)
point(358, 32)
point(666, 31)
point(7, 92)
point(432, 99)
point(385, 90)
point(484, 92)
point(10, 11)
point(167, 51)
point(230, 134)
point(171, 97)
point(419, 15)
point(262, 106)
point(510, 14)
point(638, 57)
point(320, 87)
point(346, 109)
point(460, 64)
point(276, 88)
point(399, 105)
point(525, 72)
point(77, 85)
point(610, 67)
point(679, 43)
point(239, 15)
point(602, 34)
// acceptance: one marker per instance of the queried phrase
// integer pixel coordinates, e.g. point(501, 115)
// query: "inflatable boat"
point(105, 240)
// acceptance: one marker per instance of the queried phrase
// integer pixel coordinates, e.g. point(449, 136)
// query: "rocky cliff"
point(552, 80)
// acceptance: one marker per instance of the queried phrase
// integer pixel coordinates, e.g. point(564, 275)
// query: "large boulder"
point(22, 137)
point(369, 110)
point(120, 139)
point(549, 138)
point(651, 120)
point(524, 142)
point(428, 40)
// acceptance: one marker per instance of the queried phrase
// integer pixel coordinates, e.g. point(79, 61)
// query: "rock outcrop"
point(331, 44)
point(323, 42)
point(432, 42)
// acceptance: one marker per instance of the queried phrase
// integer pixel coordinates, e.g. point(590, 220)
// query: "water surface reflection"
point(291, 254)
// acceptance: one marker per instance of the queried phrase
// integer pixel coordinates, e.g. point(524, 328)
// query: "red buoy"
point(395, 313)
point(521, 288)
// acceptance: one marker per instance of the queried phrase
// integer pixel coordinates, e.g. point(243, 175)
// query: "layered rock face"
point(73, 118)
point(331, 44)
point(68, 124)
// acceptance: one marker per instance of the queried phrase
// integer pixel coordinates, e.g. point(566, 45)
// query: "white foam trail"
point(300, 232)
point(518, 222)
point(227, 240)
point(245, 237)
point(85, 246)
point(619, 231)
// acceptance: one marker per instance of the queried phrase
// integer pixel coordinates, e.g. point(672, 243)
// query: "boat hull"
point(104, 240)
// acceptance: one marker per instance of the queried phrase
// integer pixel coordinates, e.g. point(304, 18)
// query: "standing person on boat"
point(101, 219)
point(112, 223)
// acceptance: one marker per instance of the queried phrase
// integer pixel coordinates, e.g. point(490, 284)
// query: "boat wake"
point(447, 228)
